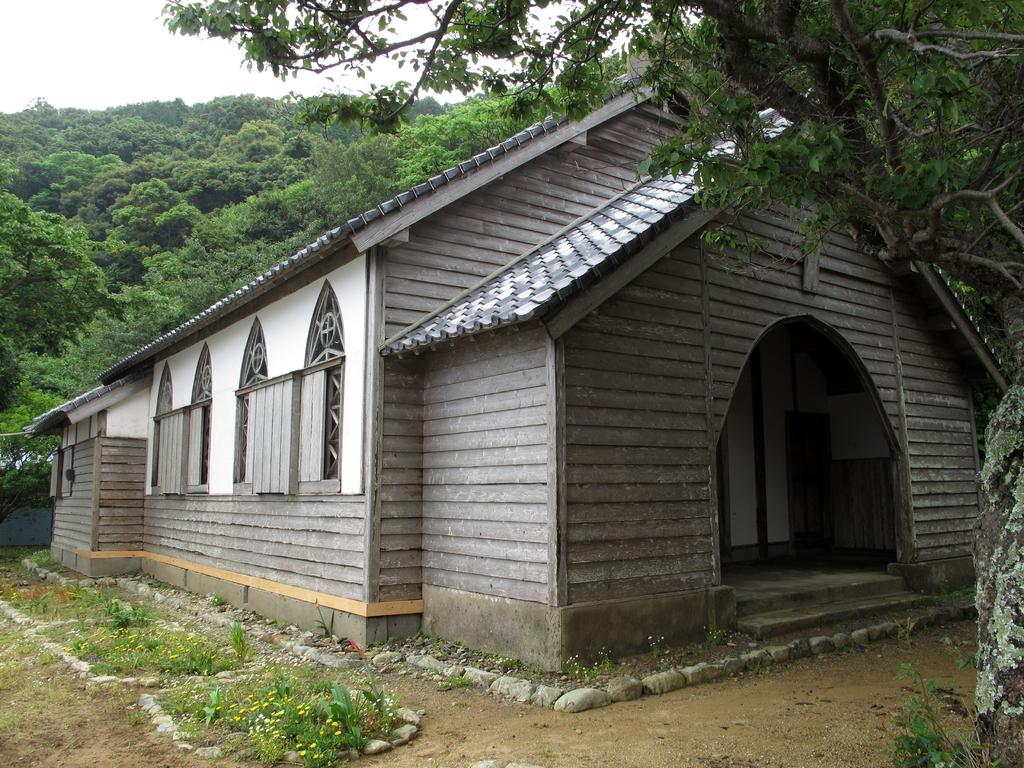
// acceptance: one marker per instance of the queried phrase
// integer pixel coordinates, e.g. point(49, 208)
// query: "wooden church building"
point(526, 406)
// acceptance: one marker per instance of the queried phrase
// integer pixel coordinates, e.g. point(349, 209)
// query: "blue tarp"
point(26, 527)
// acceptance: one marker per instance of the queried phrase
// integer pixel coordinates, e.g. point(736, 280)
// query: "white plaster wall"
point(285, 327)
point(856, 431)
point(130, 417)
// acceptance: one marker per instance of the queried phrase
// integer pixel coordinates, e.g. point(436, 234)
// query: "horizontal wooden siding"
point(485, 462)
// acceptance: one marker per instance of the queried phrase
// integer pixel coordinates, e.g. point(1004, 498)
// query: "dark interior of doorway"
point(841, 509)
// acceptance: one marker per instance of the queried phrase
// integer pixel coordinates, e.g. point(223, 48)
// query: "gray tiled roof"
point(53, 416)
point(558, 268)
point(348, 228)
point(561, 267)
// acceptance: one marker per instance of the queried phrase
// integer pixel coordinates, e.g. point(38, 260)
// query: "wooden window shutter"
point(67, 462)
point(171, 468)
point(195, 446)
point(270, 423)
point(311, 426)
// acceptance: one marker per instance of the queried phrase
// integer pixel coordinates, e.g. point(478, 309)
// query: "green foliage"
point(214, 705)
point(240, 643)
point(923, 740)
point(716, 636)
point(122, 615)
point(320, 720)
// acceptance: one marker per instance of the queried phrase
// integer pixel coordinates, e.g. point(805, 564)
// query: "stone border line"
point(624, 688)
point(148, 704)
point(627, 688)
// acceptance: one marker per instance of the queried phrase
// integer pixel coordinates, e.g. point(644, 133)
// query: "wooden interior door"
point(808, 454)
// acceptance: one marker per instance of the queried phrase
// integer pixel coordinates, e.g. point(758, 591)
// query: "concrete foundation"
point(546, 636)
point(936, 576)
point(364, 630)
point(94, 567)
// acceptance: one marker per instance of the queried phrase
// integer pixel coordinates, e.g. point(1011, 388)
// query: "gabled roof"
point(52, 418)
point(559, 268)
point(308, 254)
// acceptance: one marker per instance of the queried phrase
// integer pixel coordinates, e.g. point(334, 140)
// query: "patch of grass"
point(454, 683)
point(123, 616)
point(905, 631)
point(923, 739)
point(217, 601)
point(12, 556)
point(583, 672)
point(716, 636)
point(276, 714)
point(124, 651)
point(44, 558)
point(136, 717)
point(240, 643)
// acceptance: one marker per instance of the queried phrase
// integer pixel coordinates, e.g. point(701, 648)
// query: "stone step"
point(794, 619)
point(869, 585)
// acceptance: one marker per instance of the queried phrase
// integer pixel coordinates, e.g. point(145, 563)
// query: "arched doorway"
point(807, 460)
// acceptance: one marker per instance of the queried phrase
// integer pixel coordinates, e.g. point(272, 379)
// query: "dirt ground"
point(834, 711)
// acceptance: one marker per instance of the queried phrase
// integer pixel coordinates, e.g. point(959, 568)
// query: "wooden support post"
point(760, 480)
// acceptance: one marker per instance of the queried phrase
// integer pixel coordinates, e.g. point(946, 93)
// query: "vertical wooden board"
point(311, 419)
point(195, 446)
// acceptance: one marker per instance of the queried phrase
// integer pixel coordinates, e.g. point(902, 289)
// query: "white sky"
point(103, 53)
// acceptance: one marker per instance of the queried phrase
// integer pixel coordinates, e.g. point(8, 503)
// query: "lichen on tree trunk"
point(999, 560)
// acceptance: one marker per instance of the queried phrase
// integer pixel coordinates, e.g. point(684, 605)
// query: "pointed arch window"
point(326, 338)
point(321, 396)
point(164, 403)
point(254, 363)
point(199, 424)
point(254, 370)
point(167, 438)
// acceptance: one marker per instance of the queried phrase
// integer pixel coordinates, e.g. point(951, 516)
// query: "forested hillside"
point(116, 225)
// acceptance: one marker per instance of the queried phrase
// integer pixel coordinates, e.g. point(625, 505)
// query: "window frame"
point(161, 412)
point(201, 407)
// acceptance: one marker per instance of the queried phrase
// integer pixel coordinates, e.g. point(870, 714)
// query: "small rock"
point(162, 720)
point(166, 728)
point(582, 699)
point(386, 657)
point(513, 688)
point(376, 747)
point(209, 753)
point(888, 629)
point(778, 653)
point(480, 677)
point(860, 636)
point(184, 745)
point(225, 675)
point(624, 688)
point(821, 645)
point(840, 640)
point(875, 632)
point(755, 659)
point(731, 665)
point(454, 671)
point(403, 734)
point(292, 757)
point(406, 715)
point(663, 682)
point(701, 673)
point(546, 695)
point(146, 702)
point(800, 648)
point(428, 663)
point(522, 765)
point(487, 764)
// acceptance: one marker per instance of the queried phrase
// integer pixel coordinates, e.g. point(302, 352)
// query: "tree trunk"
point(999, 560)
